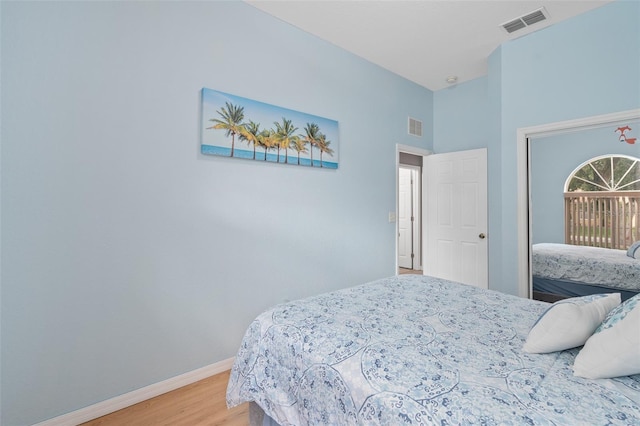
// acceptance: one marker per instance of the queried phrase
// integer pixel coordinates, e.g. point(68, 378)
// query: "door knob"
point(482, 236)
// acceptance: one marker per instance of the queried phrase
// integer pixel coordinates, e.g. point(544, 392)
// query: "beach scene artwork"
point(238, 127)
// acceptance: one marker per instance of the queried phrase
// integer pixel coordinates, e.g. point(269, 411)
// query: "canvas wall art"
point(238, 127)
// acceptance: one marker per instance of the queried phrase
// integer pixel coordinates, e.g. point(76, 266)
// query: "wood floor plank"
point(201, 403)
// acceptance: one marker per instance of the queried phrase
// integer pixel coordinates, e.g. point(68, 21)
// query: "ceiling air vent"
point(415, 127)
point(513, 26)
point(524, 21)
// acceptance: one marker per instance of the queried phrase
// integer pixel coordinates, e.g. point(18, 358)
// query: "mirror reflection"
point(585, 212)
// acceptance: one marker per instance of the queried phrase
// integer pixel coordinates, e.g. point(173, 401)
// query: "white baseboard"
point(123, 401)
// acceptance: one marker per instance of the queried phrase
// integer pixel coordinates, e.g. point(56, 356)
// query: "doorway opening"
point(409, 214)
point(409, 162)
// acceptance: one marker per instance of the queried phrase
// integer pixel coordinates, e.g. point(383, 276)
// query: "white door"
point(455, 217)
point(409, 217)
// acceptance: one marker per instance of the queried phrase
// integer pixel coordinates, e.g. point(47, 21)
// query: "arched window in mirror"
point(602, 202)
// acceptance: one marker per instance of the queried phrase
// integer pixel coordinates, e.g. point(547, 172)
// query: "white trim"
point(412, 150)
point(128, 399)
point(523, 167)
point(409, 150)
point(567, 181)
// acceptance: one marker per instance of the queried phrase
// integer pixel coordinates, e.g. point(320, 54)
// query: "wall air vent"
point(524, 21)
point(415, 127)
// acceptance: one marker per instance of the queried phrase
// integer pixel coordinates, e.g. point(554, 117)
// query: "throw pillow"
point(569, 323)
point(614, 348)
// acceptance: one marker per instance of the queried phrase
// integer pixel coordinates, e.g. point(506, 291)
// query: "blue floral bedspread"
point(590, 265)
point(416, 350)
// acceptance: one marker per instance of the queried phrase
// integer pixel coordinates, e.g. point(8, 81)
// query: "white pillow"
point(569, 323)
point(614, 349)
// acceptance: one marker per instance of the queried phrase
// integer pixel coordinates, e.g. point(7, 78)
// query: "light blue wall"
point(461, 117)
point(128, 257)
point(553, 159)
point(494, 165)
point(585, 66)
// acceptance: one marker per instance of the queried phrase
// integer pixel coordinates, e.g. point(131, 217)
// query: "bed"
point(562, 270)
point(416, 350)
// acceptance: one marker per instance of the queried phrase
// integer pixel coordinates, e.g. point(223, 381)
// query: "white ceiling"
point(424, 41)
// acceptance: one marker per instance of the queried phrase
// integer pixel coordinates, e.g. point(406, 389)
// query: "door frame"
point(414, 151)
point(523, 137)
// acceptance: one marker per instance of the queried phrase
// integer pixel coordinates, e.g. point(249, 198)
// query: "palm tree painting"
point(238, 127)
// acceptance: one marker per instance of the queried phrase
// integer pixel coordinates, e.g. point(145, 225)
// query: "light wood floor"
point(402, 271)
point(200, 403)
